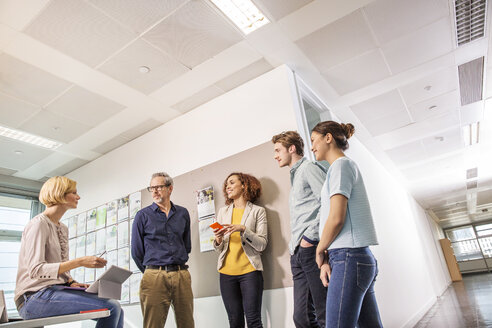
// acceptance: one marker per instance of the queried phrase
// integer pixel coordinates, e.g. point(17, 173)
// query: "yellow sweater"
point(236, 262)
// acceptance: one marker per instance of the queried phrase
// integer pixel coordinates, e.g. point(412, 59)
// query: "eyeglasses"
point(157, 188)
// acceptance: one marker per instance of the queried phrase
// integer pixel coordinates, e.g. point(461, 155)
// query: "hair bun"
point(348, 129)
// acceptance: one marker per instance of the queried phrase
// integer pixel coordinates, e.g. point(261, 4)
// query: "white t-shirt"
point(344, 178)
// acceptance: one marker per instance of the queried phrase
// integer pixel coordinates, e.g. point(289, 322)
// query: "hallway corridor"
point(464, 304)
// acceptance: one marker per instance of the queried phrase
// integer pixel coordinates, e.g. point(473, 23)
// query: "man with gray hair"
point(161, 242)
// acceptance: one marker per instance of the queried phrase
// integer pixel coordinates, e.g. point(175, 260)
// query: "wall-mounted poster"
point(80, 246)
point(135, 287)
point(135, 203)
point(111, 212)
point(123, 208)
point(91, 220)
point(124, 258)
point(123, 234)
point(112, 258)
point(131, 229)
point(205, 202)
point(111, 237)
point(125, 292)
point(206, 234)
point(72, 227)
point(72, 248)
point(100, 241)
point(90, 244)
point(101, 217)
point(90, 275)
point(81, 224)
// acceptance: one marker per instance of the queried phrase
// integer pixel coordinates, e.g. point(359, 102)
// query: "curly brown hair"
point(252, 187)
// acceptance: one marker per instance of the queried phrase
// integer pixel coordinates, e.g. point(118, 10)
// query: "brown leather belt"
point(20, 301)
point(169, 267)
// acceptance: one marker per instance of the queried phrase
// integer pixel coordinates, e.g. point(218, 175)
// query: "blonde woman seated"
point(44, 267)
point(240, 243)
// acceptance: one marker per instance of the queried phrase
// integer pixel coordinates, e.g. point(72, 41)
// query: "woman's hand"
point(92, 262)
point(234, 227)
point(321, 256)
point(219, 234)
point(78, 284)
point(325, 274)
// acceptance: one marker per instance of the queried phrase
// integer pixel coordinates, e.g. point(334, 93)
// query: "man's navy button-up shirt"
point(158, 239)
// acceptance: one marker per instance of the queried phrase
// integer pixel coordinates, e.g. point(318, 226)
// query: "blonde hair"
point(54, 190)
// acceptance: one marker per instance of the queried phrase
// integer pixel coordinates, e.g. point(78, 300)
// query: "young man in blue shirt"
point(161, 242)
point(306, 178)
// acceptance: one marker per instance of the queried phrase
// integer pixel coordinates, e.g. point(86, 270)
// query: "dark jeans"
point(351, 299)
point(54, 301)
point(242, 297)
point(309, 292)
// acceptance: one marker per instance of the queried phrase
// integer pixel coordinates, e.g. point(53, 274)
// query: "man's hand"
point(305, 244)
point(325, 274)
point(92, 262)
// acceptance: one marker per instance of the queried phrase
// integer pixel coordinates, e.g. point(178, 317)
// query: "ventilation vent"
point(471, 81)
point(471, 173)
point(471, 185)
point(470, 20)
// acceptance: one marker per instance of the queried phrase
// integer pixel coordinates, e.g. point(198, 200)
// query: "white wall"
point(409, 263)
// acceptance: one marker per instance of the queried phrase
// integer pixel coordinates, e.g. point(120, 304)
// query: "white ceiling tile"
point(5, 171)
point(471, 113)
point(138, 15)
point(440, 82)
point(338, 42)
point(443, 103)
point(14, 111)
point(277, 9)
point(68, 167)
point(419, 130)
point(380, 106)
point(27, 82)
point(54, 126)
point(83, 106)
point(193, 34)
point(441, 166)
point(244, 75)
point(358, 72)
point(420, 46)
point(125, 67)
point(198, 99)
point(407, 153)
point(484, 197)
point(391, 19)
point(30, 154)
point(79, 30)
point(111, 144)
point(383, 113)
point(141, 129)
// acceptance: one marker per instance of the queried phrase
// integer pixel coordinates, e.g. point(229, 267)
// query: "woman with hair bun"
point(346, 232)
point(240, 243)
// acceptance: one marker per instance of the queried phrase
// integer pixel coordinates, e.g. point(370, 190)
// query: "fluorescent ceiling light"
point(28, 138)
point(471, 133)
point(243, 13)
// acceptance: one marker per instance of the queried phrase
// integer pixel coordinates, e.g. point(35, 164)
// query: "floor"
point(464, 304)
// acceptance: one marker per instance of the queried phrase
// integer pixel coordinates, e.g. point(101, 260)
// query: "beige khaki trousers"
point(160, 289)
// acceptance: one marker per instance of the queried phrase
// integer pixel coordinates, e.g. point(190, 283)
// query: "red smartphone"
point(216, 225)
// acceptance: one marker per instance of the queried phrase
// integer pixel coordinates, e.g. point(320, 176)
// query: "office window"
point(471, 242)
point(15, 213)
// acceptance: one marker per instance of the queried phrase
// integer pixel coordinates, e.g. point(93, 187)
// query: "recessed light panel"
point(243, 13)
point(28, 138)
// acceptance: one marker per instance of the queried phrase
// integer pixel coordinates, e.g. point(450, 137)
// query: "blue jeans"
point(351, 300)
point(242, 297)
point(54, 301)
point(309, 292)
